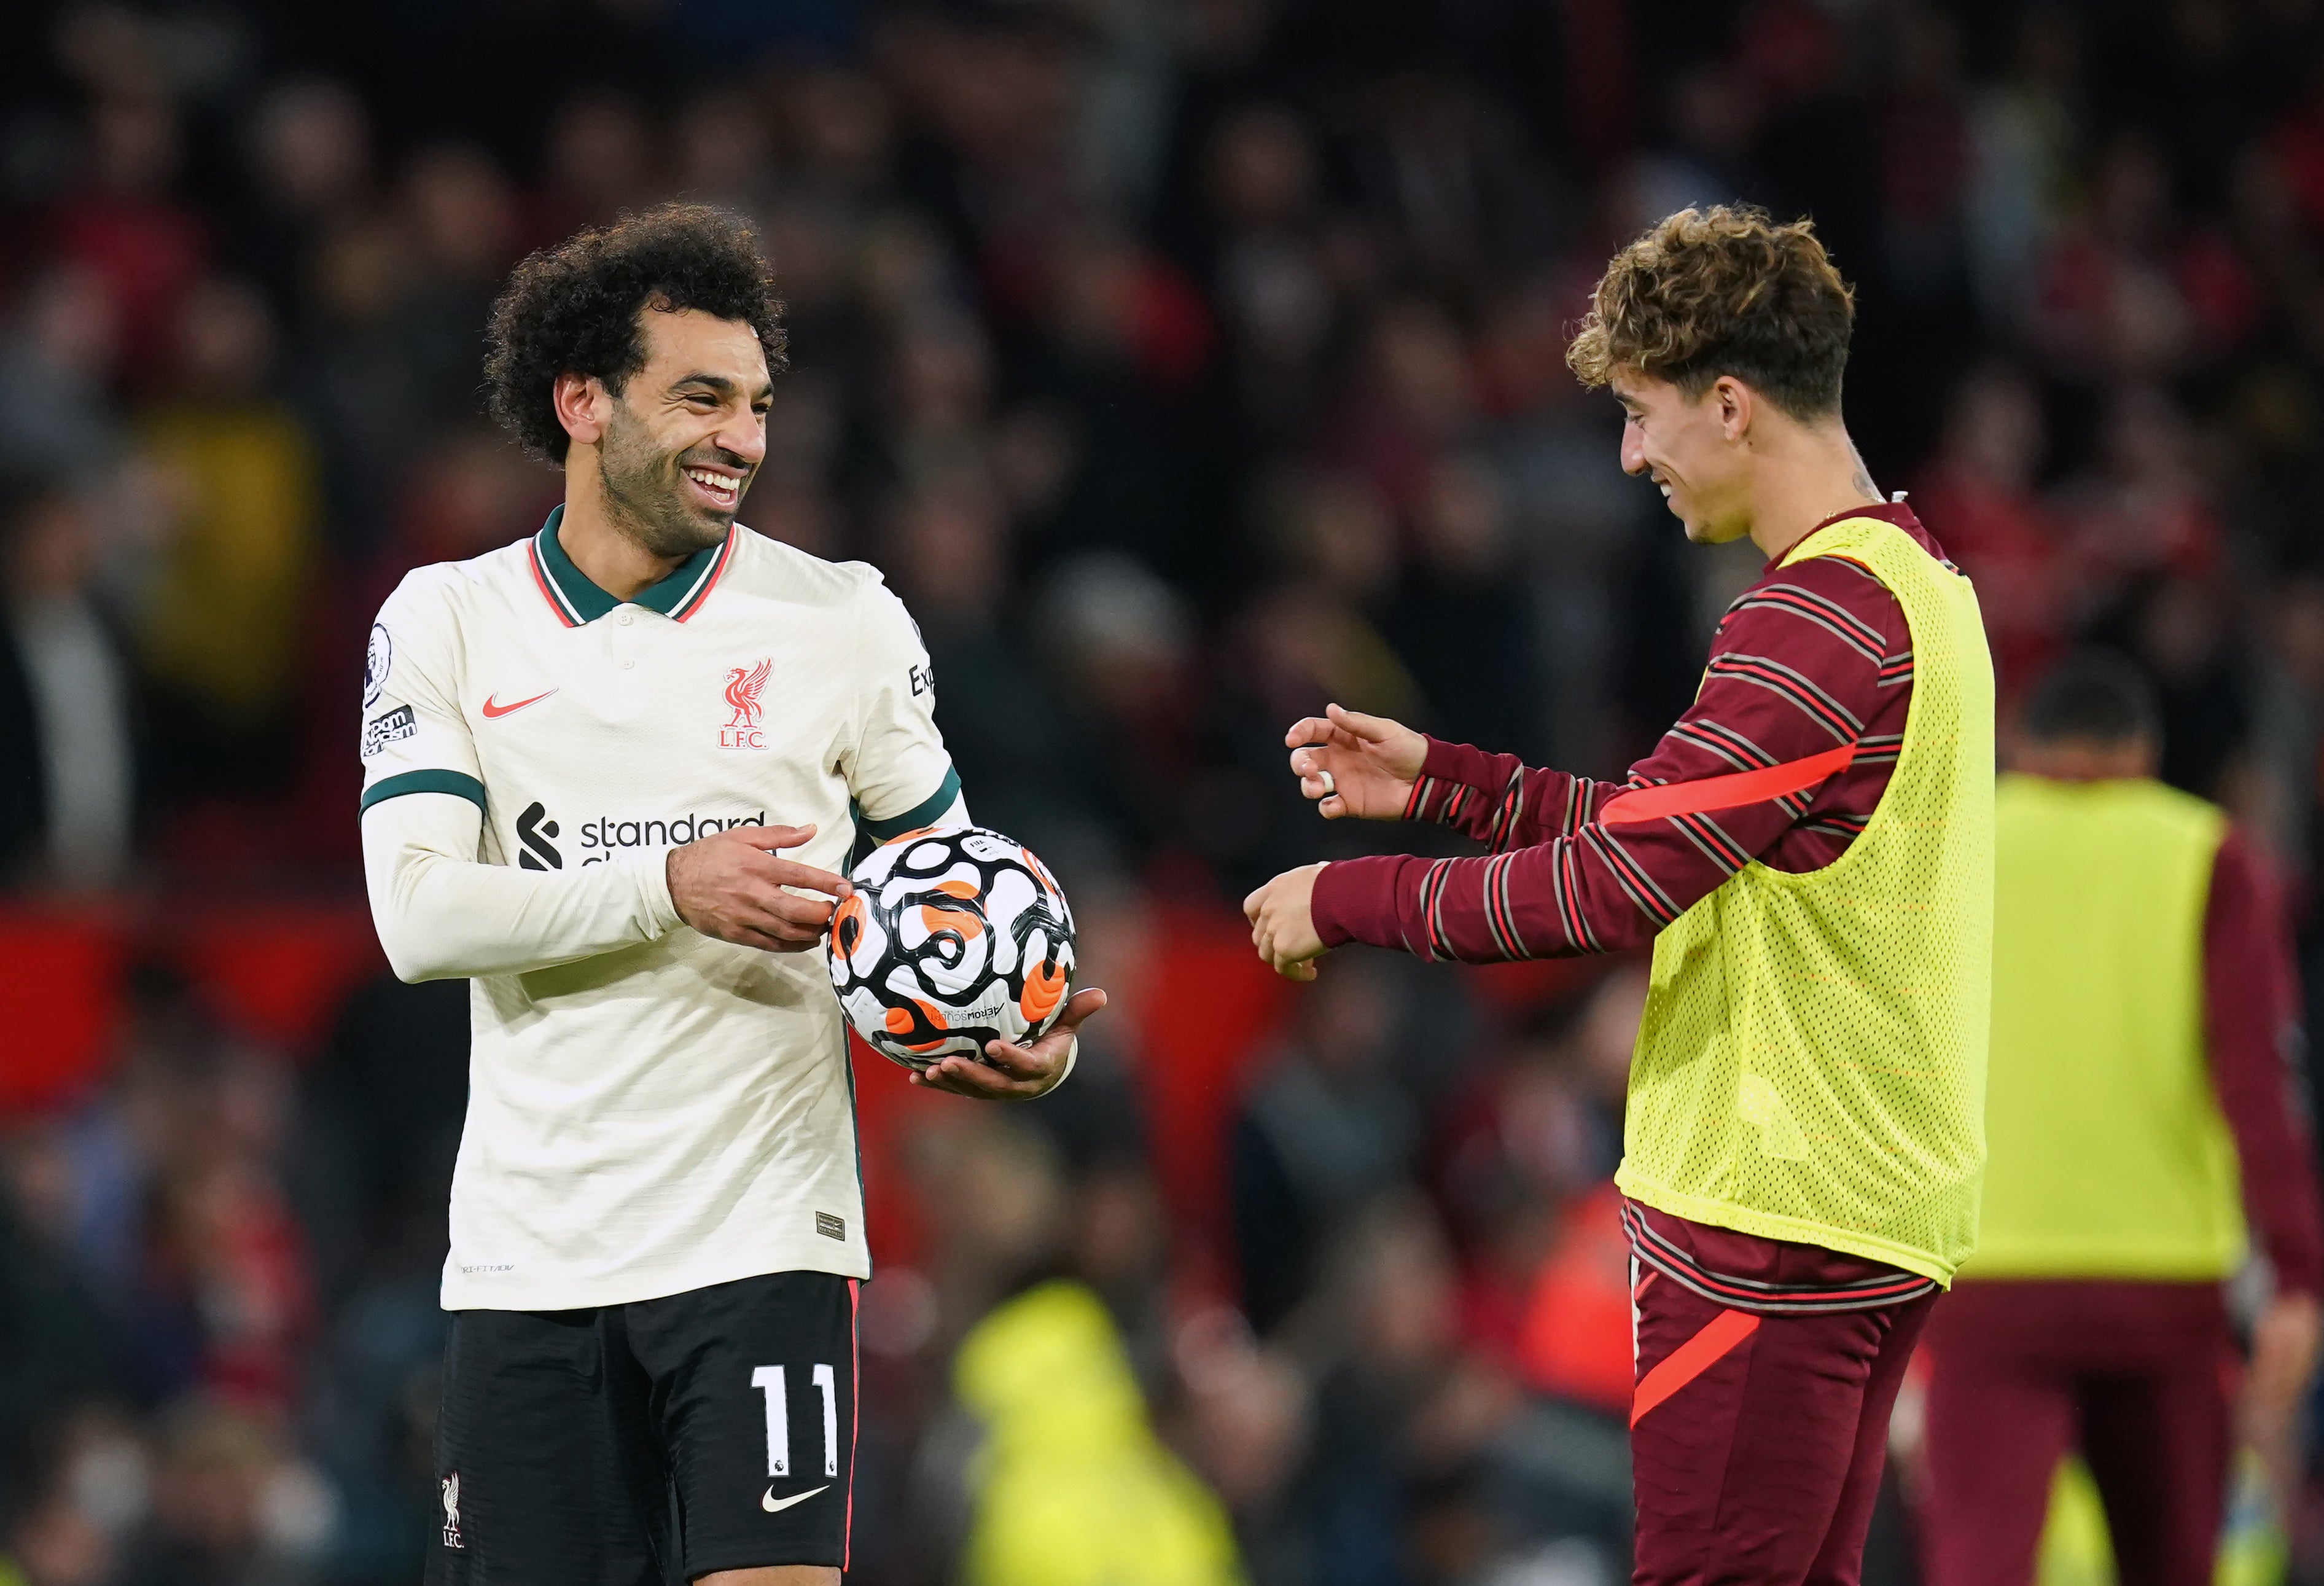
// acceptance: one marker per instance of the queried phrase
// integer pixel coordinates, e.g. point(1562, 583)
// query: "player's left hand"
point(2285, 1340)
point(1282, 916)
point(1009, 1072)
point(2286, 1337)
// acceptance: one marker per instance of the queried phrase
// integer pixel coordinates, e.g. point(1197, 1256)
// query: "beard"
point(646, 494)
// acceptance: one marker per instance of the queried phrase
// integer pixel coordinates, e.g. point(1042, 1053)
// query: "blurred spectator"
point(125, 224)
point(1245, 1424)
point(309, 152)
point(2288, 739)
point(56, 366)
point(464, 231)
point(221, 631)
point(1012, 743)
point(1524, 1152)
point(1323, 1132)
point(1982, 489)
point(170, 1200)
point(68, 788)
point(1417, 401)
point(358, 379)
point(1403, 1417)
point(231, 1505)
point(2022, 129)
point(1270, 273)
point(1463, 622)
point(725, 151)
point(1924, 154)
point(601, 161)
point(60, 1349)
point(91, 1493)
point(2130, 292)
point(1120, 651)
point(2142, 509)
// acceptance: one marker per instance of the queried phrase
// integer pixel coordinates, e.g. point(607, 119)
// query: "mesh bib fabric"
point(1811, 1062)
point(2110, 1155)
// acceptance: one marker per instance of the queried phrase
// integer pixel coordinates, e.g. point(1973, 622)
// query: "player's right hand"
point(729, 886)
point(1351, 764)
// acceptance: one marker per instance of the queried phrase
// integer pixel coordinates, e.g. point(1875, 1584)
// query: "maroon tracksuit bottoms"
point(1766, 1373)
point(2135, 1374)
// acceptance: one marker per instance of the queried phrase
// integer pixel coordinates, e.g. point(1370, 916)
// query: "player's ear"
point(1735, 405)
point(580, 400)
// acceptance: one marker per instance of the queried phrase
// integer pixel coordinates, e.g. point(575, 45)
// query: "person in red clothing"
point(1766, 1367)
point(2145, 1127)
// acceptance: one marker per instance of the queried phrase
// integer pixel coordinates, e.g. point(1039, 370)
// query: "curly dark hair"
point(576, 307)
point(1707, 292)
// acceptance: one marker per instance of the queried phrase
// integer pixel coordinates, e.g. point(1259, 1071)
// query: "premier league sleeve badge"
point(377, 658)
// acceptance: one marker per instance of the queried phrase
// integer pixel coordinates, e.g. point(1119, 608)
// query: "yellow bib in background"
point(2110, 1156)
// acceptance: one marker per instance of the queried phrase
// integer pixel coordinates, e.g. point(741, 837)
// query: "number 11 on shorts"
point(768, 1380)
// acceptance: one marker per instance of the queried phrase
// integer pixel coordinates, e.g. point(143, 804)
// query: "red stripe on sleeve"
point(1710, 793)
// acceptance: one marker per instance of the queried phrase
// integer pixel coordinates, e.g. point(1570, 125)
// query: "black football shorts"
point(648, 1443)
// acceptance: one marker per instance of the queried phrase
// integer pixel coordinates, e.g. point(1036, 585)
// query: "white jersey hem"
point(485, 1292)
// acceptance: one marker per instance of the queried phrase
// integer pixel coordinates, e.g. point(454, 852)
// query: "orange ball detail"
point(1045, 984)
point(936, 918)
point(847, 923)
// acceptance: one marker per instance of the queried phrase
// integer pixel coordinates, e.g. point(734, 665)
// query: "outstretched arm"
point(1813, 659)
point(1369, 768)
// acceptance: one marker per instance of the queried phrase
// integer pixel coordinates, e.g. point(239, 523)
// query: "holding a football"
point(953, 955)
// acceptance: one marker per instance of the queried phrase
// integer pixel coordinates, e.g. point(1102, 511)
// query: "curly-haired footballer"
point(583, 753)
point(1811, 851)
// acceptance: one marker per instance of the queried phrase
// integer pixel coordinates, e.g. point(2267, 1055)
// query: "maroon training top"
point(1810, 658)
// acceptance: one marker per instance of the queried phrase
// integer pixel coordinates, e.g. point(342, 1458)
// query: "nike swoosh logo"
point(775, 1506)
point(494, 708)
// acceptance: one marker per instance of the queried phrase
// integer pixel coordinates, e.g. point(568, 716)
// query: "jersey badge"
point(379, 659)
point(450, 1490)
point(742, 730)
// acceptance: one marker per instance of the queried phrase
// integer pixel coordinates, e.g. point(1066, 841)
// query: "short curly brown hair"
point(1707, 292)
point(576, 307)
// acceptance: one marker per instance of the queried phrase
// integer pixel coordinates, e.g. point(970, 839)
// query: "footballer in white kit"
point(613, 773)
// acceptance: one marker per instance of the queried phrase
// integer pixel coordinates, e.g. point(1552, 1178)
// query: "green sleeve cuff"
point(919, 815)
point(460, 784)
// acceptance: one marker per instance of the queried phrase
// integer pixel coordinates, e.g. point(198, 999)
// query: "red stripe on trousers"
point(1728, 792)
point(1691, 1359)
point(854, 1414)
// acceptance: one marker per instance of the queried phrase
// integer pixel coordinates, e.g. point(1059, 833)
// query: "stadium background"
point(1184, 363)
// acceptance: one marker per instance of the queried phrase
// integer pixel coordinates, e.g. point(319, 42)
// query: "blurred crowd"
point(1183, 364)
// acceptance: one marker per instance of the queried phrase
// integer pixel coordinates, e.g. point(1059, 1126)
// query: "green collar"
point(577, 600)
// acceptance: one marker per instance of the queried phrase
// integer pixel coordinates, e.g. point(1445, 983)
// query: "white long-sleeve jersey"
point(649, 1110)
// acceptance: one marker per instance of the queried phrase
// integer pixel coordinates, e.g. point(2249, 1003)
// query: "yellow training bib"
point(1811, 1062)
